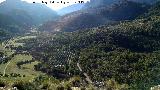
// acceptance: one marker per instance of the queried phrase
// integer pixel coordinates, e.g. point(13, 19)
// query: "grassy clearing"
point(30, 66)
point(26, 71)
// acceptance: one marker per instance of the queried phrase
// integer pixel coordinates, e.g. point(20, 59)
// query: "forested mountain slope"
point(71, 8)
point(97, 3)
point(127, 52)
point(92, 17)
point(9, 27)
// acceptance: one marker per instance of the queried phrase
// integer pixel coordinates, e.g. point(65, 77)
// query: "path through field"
point(4, 72)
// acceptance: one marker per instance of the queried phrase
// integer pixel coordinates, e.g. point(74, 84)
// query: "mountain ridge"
point(70, 9)
point(92, 17)
point(31, 13)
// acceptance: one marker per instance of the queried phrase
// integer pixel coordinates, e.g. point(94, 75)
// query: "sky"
point(54, 6)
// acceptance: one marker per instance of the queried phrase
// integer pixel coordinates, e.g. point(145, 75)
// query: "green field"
point(26, 69)
point(26, 72)
point(13, 42)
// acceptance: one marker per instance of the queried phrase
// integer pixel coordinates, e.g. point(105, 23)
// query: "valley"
point(104, 45)
point(20, 67)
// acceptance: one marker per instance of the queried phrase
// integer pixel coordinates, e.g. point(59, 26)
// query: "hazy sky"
point(55, 6)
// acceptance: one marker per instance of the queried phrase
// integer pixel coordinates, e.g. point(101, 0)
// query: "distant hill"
point(27, 13)
point(69, 9)
point(92, 17)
